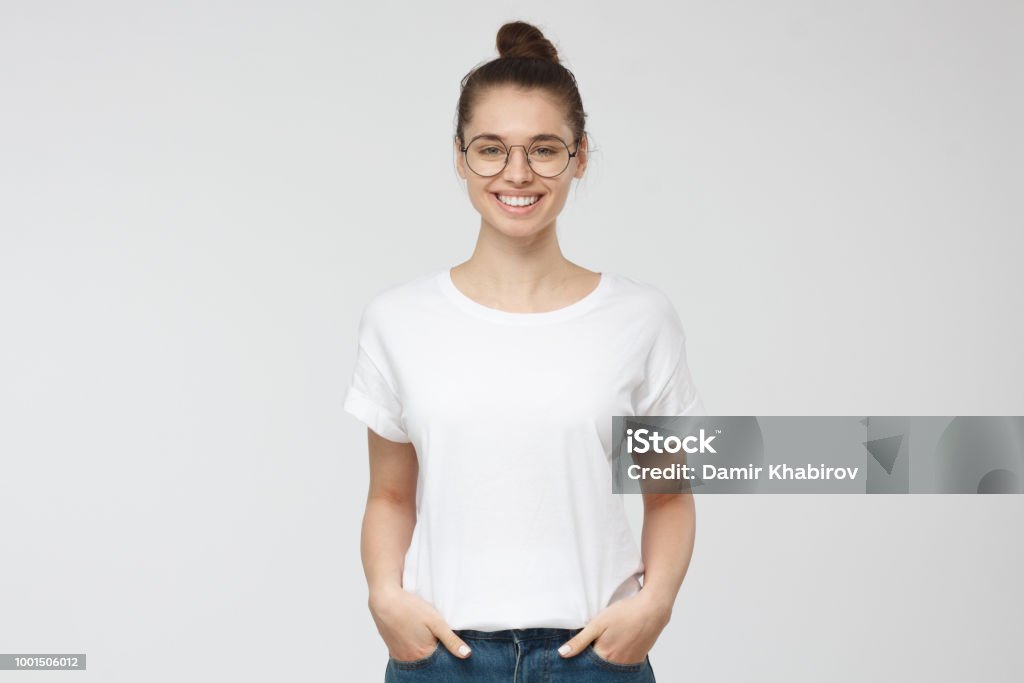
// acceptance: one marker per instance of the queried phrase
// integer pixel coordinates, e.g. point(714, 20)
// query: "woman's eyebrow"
point(542, 136)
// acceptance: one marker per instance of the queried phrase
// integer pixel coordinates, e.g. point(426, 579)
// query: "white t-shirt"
point(511, 418)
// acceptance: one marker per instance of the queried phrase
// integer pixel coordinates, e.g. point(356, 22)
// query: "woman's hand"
point(410, 626)
point(624, 632)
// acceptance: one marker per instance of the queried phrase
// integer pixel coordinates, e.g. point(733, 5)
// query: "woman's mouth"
point(517, 205)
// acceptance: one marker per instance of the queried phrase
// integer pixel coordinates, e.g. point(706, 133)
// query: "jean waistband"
point(517, 634)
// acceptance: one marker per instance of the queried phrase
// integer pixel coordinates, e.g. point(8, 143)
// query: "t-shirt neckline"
point(577, 308)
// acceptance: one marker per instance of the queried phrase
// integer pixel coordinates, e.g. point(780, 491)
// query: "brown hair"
point(528, 60)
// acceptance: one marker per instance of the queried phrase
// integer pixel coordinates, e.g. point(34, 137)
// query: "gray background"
point(197, 199)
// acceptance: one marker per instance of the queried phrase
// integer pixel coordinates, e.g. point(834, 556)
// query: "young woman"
point(493, 546)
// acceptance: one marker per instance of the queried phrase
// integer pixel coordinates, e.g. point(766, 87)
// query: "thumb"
point(575, 645)
point(457, 646)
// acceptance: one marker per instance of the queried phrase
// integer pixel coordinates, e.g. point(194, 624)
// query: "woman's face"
point(517, 117)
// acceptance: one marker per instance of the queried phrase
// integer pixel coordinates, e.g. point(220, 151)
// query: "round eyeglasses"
point(548, 156)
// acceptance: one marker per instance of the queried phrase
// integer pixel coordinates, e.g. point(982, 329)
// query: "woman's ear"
point(460, 159)
point(582, 157)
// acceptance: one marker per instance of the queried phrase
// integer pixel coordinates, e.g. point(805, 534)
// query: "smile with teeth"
point(518, 201)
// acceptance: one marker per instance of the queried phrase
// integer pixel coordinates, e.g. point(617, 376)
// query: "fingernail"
point(464, 650)
point(564, 650)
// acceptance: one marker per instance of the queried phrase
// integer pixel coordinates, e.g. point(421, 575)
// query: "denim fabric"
point(517, 656)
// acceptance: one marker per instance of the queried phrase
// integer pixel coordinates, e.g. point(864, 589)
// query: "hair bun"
point(518, 39)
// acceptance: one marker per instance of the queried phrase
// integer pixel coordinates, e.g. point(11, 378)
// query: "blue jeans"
point(527, 655)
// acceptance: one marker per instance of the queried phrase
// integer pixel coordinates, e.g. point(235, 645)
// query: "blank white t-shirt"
point(511, 418)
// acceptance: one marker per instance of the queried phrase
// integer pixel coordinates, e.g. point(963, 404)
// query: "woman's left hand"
point(625, 631)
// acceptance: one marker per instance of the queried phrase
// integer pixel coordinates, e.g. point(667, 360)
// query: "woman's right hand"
point(410, 626)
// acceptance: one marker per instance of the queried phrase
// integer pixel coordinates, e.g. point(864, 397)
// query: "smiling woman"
point(520, 139)
point(492, 541)
point(517, 162)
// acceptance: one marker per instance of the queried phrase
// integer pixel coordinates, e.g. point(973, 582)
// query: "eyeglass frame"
point(526, 153)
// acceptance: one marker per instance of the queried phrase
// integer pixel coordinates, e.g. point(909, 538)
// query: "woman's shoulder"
point(642, 295)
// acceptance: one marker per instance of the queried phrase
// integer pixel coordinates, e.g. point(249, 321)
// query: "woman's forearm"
point(667, 544)
point(387, 531)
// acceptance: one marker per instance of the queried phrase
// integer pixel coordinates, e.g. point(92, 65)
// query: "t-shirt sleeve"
point(371, 396)
point(667, 387)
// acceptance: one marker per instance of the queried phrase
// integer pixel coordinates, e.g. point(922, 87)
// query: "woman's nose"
point(518, 165)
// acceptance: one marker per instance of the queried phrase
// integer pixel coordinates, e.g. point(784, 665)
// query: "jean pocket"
point(614, 666)
point(416, 663)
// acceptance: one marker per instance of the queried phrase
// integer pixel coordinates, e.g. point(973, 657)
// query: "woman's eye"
point(543, 151)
